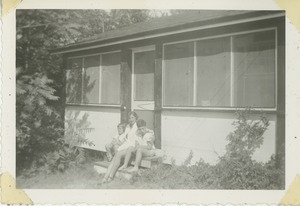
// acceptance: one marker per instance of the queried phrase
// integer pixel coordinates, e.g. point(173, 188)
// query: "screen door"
point(143, 84)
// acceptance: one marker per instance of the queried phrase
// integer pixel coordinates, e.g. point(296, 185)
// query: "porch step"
point(101, 168)
point(148, 162)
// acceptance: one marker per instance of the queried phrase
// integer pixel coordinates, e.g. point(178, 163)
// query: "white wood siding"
point(205, 134)
point(103, 120)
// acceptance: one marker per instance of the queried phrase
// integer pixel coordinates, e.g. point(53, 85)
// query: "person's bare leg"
point(117, 162)
point(107, 174)
point(140, 153)
point(138, 159)
point(127, 158)
point(108, 152)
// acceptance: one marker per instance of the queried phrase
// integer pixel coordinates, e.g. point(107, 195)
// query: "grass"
point(201, 176)
point(83, 177)
point(224, 175)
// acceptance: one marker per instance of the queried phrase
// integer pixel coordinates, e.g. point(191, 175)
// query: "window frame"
point(100, 82)
point(226, 108)
point(135, 104)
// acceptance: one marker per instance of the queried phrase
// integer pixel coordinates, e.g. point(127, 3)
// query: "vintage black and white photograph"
point(150, 99)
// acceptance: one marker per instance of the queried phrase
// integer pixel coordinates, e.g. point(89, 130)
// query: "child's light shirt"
point(119, 138)
point(147, 138)
point(130, 137)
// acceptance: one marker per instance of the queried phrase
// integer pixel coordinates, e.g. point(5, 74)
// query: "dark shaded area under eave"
point(189, 19)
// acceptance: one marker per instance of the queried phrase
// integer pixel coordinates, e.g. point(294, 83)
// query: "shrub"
point(235, 169)
point(166, 177)
point(247, 136)
point(68, 152)
point(38, 125)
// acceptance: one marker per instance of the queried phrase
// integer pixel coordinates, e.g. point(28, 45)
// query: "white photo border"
point(45, 196)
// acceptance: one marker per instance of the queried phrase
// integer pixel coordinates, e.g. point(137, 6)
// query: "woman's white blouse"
point(130, 133)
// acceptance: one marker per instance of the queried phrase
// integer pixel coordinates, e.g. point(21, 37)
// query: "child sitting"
point(144, 146)
point(116, 142)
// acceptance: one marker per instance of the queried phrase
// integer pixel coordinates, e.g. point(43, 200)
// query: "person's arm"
point(127, 129)
point(115, 139)
point(121, 139)
point(149, 140)
point(137, 139)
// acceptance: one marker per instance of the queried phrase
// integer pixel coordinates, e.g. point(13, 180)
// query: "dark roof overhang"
point(201, 19)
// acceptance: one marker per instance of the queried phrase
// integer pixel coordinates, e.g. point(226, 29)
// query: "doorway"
point(142, 100)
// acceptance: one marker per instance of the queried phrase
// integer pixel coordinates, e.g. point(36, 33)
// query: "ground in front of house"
point(83, 177)
point(227, 174)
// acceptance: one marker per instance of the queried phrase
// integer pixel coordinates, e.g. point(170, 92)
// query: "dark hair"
point(140, 123)
point(122, 125)
point(134, 114)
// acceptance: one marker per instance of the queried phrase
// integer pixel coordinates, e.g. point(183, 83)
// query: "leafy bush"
point(235, 169)
point(38, 125)
point(63, 158)
point(247, 136)
point(68, 153)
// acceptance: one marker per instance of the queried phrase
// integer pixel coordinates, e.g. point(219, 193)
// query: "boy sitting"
point(144, 146)
point(116, 142)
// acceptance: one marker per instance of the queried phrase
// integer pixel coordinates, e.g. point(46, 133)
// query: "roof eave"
point(228, 20)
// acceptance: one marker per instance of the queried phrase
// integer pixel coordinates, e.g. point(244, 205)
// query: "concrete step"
point(101, 168)
point(148, 162)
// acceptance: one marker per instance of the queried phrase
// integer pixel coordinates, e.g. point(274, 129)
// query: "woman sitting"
point(130, 133)
point(144, 146)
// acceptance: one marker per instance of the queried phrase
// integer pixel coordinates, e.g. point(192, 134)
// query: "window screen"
point(178, 74)
point(91, 79)
point(74, 81)
point(235, 71)
point(144, 64)
point(254, 64)
point(100, 83)
point(213, 72)
point(110, 88)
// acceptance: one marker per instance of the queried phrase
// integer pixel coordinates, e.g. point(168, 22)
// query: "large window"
point(94, 79)
point(74, 81)
point(110, 78)
point(231, 71)
point(179, 74)
point(213, 72)
point(144, 64)
point(254, 64)
point(91, 79)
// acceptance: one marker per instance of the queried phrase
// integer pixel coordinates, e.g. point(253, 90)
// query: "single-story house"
point(185, 75)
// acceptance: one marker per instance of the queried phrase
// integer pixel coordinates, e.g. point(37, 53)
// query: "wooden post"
point(280, 120)
point(125, 90)
point(158, 95)
point(64, 89)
